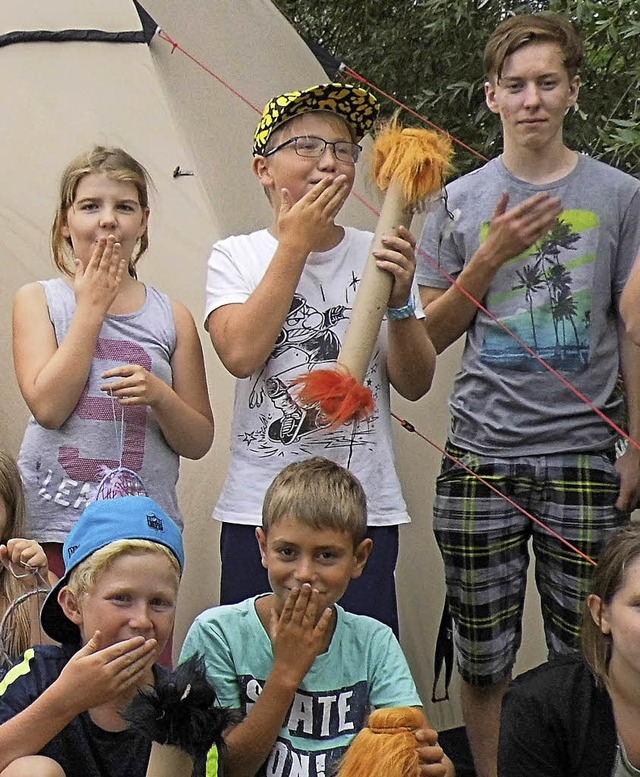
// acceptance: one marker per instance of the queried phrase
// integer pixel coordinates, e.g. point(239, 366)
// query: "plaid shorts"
point(484, 544)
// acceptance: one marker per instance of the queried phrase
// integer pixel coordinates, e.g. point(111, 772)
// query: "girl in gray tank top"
point(111, 369)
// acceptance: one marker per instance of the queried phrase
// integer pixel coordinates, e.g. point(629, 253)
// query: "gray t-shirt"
point(559, 297)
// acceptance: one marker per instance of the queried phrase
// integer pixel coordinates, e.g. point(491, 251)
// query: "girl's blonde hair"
point(117, 164)
point(17, 640)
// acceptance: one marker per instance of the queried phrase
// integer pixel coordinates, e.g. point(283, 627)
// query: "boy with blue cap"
point(112, 612)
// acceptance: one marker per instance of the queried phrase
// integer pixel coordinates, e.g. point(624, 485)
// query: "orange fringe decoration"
point(417, 159)
point(339, 395)
point(386, 747)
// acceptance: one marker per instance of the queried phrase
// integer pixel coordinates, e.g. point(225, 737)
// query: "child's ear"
point(361, 555)
point(69, 605)
point(145, 222)
point(490, 95)
point(598, 612)
point(261, 171)
point(262, 544)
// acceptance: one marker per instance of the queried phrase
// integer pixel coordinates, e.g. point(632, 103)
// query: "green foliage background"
point(428, 55)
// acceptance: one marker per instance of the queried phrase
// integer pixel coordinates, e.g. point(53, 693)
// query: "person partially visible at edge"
point(278, 305)
point(630, 303)
point(304, 672)
point(544, 237)
point(23, 569)
point(579, 715)
point(112, 613)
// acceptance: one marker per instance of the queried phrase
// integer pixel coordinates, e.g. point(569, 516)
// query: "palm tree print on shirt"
point(548, 300)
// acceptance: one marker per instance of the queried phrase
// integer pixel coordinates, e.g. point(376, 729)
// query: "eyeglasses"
point(311, 147)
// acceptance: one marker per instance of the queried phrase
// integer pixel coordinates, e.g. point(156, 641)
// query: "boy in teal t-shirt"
point(304, 672)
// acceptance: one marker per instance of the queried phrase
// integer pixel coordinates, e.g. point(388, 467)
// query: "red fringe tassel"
point(337, 394)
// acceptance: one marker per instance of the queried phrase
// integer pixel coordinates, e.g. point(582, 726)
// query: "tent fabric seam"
point(64, 36)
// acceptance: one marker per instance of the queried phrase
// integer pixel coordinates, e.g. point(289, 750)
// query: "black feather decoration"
point(180, 710)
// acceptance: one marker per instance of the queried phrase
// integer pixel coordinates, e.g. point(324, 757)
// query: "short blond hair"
point(319, 493)
point(84, 577)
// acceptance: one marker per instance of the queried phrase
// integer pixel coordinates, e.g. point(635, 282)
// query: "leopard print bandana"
point(354, 104)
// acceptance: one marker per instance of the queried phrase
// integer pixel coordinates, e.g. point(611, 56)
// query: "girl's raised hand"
point(97, 284)
point(24, 558)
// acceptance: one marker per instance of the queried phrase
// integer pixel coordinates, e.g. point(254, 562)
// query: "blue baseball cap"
point(101, 523)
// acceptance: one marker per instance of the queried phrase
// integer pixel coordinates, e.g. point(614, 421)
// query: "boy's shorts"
point(483, 541)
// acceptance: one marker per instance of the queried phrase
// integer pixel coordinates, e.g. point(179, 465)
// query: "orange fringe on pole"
point(417, 159)
point(386, 747)
point(339, 395)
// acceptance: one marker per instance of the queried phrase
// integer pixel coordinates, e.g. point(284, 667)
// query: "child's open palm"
point(299, 634)
point(97, 284)
point(97, 674)
point(301, 224)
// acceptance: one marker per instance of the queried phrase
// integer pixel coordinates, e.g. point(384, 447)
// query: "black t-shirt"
point(556, 722)
point(82, 749)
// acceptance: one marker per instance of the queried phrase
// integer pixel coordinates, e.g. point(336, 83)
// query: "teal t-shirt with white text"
point(363, 668)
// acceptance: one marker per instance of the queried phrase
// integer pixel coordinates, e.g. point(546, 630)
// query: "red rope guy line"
point(411, 111)
point(411, 428)
point(175, 45)
point(565, 381)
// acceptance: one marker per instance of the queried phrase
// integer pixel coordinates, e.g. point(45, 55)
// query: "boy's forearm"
point(411, 358)
point(250, 742)
point(628, 465)
point(30, 730)
point(245, 334)
point(629, 308)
